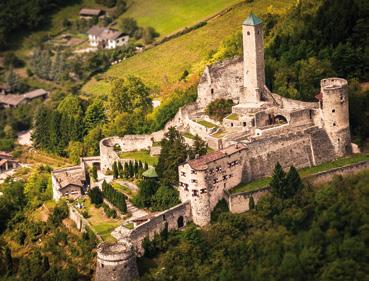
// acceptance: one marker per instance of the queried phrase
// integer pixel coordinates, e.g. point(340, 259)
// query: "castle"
point(262, 129)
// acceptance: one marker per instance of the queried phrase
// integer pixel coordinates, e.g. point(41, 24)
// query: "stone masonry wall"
point(239, 202)
point(156, 224)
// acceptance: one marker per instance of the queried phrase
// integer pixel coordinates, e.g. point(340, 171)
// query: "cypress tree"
point(94, 172)
point(136, 169)
point(131, 169)
point(45, 264)
point(115, 170)
point(294, 183)
point(120, 169)
point(278, 181)
point(126, 170)
point(251, 203)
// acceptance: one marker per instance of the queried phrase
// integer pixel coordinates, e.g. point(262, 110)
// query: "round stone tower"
point(116, 262)
point(335, 109)
point(200, 201)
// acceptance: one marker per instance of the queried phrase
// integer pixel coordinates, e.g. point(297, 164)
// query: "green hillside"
point(167, 16)
point(166, 62)
point(22, 42)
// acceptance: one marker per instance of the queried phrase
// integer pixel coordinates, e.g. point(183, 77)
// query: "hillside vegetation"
point(167, 62)
point(168, 16)
point(319, 234)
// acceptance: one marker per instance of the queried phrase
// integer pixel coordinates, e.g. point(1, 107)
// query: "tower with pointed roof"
point(253, 57)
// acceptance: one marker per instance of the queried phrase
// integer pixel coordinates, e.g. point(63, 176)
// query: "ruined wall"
point(221, 80)
point(127, 143)
point(290, 104)
point(239, 202)
point(156, 224)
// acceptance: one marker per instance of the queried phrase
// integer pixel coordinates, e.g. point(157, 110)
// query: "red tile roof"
point(202, 162)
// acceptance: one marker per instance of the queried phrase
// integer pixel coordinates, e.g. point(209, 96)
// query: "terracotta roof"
point(202, 162)
point(104, 33)
point(90, 12)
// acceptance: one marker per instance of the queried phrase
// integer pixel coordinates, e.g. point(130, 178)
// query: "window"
point(203, 190)
point(212, 91)
point(248, 32)
point(231, 124)
point(334, 124)
point(193, 172)
point(244, 124)
point(333, 110)
point(183, 174)
point(194, 181)
point(342, 98)
point(195, 192)
point(225, 177)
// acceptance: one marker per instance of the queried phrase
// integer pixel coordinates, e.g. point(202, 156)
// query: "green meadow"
point(165, 63)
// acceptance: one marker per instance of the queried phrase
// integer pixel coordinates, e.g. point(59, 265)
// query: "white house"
point(106, 38)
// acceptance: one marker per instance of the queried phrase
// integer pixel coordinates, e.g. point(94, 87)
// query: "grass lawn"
point(168, 16)
point(232, 116)
point(142, 155)
point(123, 188)
point(100, 222)
point(206, 123)
point(189, 136)
point(260, 183)
point(166, 63)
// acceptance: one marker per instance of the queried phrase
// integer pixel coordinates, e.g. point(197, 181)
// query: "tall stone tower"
point(335, 111)
point(253, 57)
point(116, 262)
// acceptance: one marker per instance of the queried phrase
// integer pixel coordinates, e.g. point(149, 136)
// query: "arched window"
point(180, 222)
point(248, 32)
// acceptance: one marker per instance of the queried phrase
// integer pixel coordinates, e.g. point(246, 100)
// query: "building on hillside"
point(106, 38)
point(90, 13)
point(14, 100)
point(7, 162)
point(68, 182)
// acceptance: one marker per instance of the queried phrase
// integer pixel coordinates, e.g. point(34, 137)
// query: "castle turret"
point(335, 110)
point(253, 57)
point(193, 188)
point(116, 262)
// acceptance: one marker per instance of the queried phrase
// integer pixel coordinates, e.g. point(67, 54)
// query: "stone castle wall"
point(239, 202)
point(156, 225)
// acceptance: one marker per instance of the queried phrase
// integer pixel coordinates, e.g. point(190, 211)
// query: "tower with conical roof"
point(253, 57)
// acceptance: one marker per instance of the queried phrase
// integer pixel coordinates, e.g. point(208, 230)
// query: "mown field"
point(165, 63)
point(168, 16)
